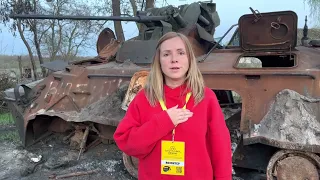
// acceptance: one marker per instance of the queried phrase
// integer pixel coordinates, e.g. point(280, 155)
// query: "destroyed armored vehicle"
point(267, 87)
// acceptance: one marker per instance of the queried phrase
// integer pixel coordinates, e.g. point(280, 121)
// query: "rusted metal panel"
point(78, 95)
point(257, 94)
point(257, 87)
point(268, 31)
point(110, 50)
point(70, 92)
point(104, 39)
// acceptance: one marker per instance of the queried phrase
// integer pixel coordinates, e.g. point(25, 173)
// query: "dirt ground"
point(50, 159)
point(57, 159)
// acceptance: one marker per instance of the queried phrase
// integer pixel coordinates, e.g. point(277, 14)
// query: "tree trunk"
point(149, 4)
point(117, 24)
point(135, 9)
point(52, 54)
point(33, 64)
point(36, 43)
point(20, 66)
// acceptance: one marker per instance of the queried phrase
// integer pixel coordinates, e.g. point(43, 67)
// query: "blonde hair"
point(194, 79)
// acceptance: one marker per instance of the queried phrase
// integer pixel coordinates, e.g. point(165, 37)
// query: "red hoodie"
point(206, 137)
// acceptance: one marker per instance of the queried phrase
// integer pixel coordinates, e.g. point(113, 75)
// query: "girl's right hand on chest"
point(179, 115)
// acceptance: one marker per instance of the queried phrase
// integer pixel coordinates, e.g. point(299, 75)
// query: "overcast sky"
point(229, 12)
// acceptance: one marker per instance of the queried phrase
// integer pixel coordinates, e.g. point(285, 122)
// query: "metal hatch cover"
point(274, 31)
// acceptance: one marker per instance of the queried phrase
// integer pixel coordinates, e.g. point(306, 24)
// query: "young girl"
point(175, 125)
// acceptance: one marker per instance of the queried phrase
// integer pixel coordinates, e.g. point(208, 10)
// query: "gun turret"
point(201, 16)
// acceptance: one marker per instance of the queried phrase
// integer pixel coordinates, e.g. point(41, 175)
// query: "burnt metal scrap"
point(87, 99)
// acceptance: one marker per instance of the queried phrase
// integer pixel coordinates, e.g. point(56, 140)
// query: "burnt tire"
point(131, 164)
point(293, 165)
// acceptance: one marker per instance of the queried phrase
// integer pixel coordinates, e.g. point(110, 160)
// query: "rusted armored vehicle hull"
point(275, 125)
point(261, 125)
point(266, 86)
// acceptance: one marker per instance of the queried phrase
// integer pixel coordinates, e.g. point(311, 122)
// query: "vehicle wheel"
point(131, 164)
point(293, 165)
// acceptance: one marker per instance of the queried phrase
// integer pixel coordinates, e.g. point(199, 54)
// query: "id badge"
point(172, 157)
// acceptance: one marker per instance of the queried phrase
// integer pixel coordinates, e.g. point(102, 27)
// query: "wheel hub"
point(296, 168)
point(293, 165)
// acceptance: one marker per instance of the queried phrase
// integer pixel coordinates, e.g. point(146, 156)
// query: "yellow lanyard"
point(163, 106)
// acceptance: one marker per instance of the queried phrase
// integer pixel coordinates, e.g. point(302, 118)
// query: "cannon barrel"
point(111, 18)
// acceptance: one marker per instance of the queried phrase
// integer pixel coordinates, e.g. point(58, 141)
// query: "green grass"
point(8, 133)
point(6, 119)
point(10, 136)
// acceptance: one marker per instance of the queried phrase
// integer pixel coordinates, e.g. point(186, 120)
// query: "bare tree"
point(66, 38)
point(19, 59)
point(54, 37)
point(134, 11)
point(135, 6)
point(28, 29)
point(117, 24)
point(79, 34)
point(314, 10)
point(22, 26)
point(34, 25)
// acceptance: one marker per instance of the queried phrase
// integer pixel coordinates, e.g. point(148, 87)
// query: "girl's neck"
point(174, 84)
